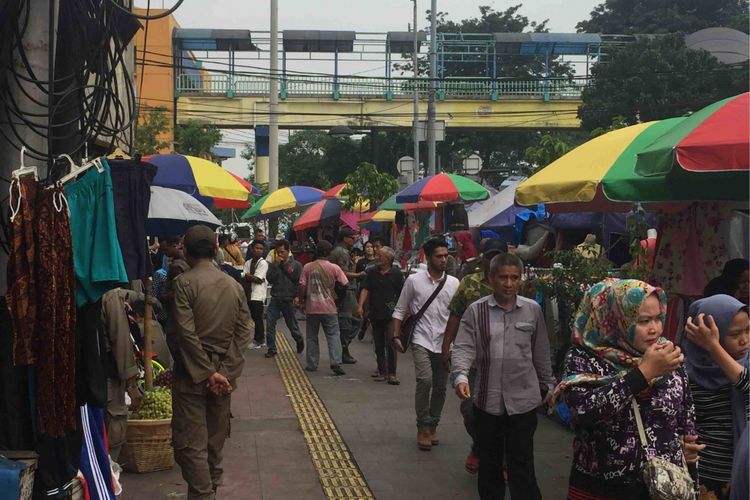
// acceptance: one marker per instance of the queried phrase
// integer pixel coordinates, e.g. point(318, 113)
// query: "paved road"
point(267, 458)
point(378, 424)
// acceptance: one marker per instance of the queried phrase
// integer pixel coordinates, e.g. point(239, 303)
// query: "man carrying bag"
point(425, 298)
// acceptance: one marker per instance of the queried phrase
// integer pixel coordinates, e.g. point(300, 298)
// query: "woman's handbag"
point(664, 480)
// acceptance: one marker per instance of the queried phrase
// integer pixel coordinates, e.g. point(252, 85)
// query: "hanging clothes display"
point(131, 183)
point(99, 264)
point(21, 295)
point(41, 300)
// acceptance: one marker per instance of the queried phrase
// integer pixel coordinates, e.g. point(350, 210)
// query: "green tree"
point(549, 149)
point(149, 132)
point(196, 138)
point(665, 16)
point(656, 78)
point(314, 158)
point(368, 183)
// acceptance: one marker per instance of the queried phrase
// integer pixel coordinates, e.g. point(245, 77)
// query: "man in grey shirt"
point(507, 336)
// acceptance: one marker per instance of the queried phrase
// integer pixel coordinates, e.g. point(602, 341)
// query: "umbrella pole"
point(147, 338)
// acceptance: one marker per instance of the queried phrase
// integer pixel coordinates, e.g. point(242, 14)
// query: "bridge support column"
point(261, 154)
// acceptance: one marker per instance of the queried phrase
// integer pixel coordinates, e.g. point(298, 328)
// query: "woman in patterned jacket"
point(618, 354)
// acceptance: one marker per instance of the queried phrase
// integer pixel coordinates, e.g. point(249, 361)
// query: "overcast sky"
point(358, 15)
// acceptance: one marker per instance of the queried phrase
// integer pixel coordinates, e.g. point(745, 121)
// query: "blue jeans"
point(277, 307)
point(330, 325)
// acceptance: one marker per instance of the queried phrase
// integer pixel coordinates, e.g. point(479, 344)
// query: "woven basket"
point(148, 447)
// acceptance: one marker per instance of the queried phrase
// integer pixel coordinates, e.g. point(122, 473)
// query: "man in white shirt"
point(426, 345)
point(254, 275)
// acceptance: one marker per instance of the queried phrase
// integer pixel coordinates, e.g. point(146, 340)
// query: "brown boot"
point(423, 439)
point(434, 441)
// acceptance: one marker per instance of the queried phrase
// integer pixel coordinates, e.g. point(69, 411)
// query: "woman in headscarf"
point(734, 280)
point(716, 353)
point(618, 354)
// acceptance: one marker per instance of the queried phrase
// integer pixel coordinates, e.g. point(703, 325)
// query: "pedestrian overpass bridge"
point(311, 101)
point(474, 87)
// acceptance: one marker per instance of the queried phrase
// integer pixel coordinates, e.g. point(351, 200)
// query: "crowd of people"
point(642, 408)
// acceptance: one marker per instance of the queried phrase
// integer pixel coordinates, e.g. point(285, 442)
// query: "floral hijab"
point(605, 326)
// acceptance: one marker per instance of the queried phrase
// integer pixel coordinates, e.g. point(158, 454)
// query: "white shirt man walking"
point(426, 345)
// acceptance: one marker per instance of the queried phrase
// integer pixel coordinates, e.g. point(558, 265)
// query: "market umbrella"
point(195, 175)
point(335, 191)
point(286, 198)
point(393, 205)
point(443, 187)
point(172, 212)
point(320, 212)
point(716, 138)
point(378, 216)
point(599, 175)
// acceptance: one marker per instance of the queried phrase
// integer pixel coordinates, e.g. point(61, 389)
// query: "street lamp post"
point(415, 63)
point(433, 79)
point(273, 101)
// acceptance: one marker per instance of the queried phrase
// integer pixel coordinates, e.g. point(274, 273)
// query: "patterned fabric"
point(42, 279)
point(21, 295)
point(605, 326)
point(55, 365)
point(690, 250)
point(606, 448)
point(471, 288)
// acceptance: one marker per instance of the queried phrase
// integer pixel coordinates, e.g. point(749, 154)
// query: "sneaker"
point(472, 463)
point(337, 370)
point(348, 359)
point(300, 346)
point(255, 345)
point(270, 354)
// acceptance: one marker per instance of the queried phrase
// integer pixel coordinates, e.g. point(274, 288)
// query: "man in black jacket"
point(283, 276)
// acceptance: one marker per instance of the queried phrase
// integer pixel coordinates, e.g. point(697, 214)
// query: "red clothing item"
point(468, 250)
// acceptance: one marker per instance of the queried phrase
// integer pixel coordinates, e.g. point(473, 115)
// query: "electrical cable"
point(148, 17)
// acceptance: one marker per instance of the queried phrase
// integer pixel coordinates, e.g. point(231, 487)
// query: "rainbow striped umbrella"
point(599, 175)
point(392, 205)
point(714, 139)
point(287, 198)
point(443, 187)
point(378, 216)
point(335, 191)
point(196, 176)
point(320, 212)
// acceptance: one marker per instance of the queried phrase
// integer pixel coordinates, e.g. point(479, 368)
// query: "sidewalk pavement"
point(266, 456)
point(378, 423)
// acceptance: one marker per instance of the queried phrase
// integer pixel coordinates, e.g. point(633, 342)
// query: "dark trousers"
point(515, 435)
point(256, 312)
point(384, 352)
point(467, 411)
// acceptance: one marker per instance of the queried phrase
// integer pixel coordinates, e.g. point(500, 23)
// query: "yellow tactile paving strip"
point(338, 472)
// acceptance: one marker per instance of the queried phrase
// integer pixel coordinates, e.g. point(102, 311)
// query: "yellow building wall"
point(154, 81)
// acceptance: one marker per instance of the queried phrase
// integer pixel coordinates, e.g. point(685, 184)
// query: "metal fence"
point(216, 84)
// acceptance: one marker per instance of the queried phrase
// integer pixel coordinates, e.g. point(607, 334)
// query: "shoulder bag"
point(410, 323)
point(664, 480)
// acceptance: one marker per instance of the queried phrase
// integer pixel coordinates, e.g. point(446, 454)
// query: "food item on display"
point(157, 405)
point(164, 379)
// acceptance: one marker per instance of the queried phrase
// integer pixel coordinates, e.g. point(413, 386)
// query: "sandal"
point(393, 380)
point(376, 374)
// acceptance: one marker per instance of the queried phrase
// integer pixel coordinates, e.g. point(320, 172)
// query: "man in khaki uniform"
point(213, 328)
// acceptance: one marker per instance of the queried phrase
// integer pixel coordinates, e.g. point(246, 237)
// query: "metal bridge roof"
point(213, 39)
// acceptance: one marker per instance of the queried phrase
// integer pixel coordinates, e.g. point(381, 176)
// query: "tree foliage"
point(656, 78)
point(368, 183)
point(151, 130)
point(665, 16)
point(196, 138)
point(549, 149)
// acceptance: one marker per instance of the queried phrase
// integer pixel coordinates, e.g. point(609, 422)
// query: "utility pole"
point(415, 63)
point(273, 101)
point(433, 81)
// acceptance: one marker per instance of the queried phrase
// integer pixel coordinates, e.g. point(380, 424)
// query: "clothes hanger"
point(75, 170)
point(15, 176)
point(23, 169)
point(118, 154)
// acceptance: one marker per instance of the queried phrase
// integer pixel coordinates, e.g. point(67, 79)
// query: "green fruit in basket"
point(157, 404)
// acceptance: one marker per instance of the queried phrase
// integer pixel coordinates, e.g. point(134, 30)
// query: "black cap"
point(347, 231)
point(199, 239)
point(493, 247)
